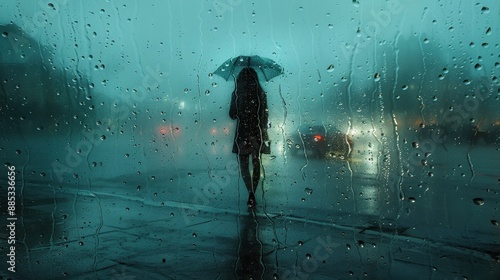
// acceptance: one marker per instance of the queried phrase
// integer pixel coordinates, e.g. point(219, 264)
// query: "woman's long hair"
point(247, 84)
point(251, 101)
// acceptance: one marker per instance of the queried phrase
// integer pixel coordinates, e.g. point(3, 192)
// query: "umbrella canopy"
point(265, 67)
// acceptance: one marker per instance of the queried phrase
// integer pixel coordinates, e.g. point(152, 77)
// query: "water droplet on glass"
point(412, 199)
point(478, 66)
point(309, 191)
point(301, 243)
point(194, 234)
point(356, 3)
point(488, 31)
point(478, 201)
point(81, 243)
point(5, 34)
point(330, 68)
point(405, 87)
point(414, 145)
point(426, 40)
point(485, 10)
point(494, 222)
point(467, 82)
point(308, 256)
point(376, 77)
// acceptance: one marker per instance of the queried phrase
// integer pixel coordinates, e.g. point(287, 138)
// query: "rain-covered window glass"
point(231, 139)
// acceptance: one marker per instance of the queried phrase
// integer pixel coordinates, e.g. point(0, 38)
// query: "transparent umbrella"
point(265, 67)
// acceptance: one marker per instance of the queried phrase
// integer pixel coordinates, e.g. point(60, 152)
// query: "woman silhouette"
point(249, 108)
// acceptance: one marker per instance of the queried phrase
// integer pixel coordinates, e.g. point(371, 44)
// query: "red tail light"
point(165, 130)
point(317, 137)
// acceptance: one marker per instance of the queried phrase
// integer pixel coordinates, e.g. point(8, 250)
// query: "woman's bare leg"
point(256, 171)
point(245, 171)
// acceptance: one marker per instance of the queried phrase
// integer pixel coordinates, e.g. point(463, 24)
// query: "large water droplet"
point(330, 68)
point(478, 201)
point(309, 191)
point(376, 77)
point(485, 10)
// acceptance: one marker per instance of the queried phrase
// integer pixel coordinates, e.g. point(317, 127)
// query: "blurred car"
point(318, 142)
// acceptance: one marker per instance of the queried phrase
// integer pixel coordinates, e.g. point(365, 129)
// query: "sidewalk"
point(103, 235)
